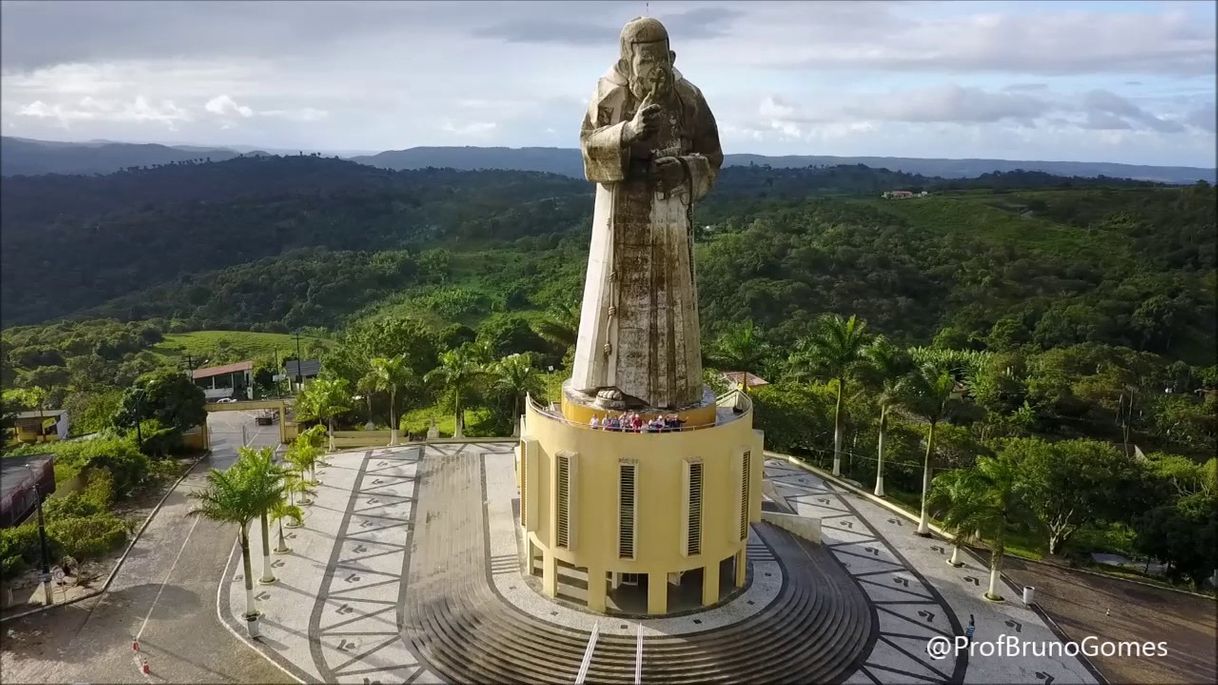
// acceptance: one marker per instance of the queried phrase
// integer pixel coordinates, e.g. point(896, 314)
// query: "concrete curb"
point(118, 564)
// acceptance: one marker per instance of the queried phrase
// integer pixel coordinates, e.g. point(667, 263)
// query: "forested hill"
point(274, 243)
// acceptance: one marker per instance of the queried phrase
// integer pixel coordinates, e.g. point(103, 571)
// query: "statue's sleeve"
point(707, 155)
point(605, 157)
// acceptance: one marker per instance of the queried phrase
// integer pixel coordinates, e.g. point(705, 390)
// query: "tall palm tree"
point(740, 348)
point(1000, 508)
point(324, 399)
point(458, 372)
point(228, 498)
point(833, 350)
point(956, 498)
point(265, 479)
point(516, 375)
point(283, 510)
point(886, 368)
point(367, 386)
point(391, 374)
point(931, 396)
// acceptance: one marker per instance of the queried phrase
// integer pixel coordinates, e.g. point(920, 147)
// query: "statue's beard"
point(640, 87)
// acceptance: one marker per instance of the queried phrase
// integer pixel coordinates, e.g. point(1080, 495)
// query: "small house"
point(41, 426)
point(300, 373)
point(229, 381)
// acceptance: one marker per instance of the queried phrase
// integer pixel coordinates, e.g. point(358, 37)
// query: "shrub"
point(19, 548)
point(95, 498)
point(85, 537)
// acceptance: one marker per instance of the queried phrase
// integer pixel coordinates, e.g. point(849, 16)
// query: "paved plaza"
point(408, 570)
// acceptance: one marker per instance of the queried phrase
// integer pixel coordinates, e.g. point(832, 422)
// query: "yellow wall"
point(660, 488)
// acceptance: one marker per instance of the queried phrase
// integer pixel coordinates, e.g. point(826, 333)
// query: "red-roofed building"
point(231, 380)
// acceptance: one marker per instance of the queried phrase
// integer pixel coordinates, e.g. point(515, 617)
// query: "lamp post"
point(42, 543)
point(299, 359)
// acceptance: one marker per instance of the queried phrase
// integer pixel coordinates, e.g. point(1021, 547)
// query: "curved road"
point(167, 585)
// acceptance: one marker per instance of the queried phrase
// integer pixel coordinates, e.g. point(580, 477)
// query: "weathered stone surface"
point(651, 144)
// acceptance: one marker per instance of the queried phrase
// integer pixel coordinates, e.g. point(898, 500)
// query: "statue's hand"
point(646, 121)
point(670, 173)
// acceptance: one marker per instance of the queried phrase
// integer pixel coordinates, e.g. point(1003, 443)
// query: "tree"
point(834, 349)
point(458, 372)
point(515, 375)
point(886, 368)
point(324, 398)
point(392, 373)
point(1184, 534)
point(954, 499)
point(1072, 483)
point(265, 481)
point(229, 498)
point(131, 412)
point(174, 400)
point(285, 510)
point(930, 393)
point(560, 325)
point(741, 348)
point(999, 507)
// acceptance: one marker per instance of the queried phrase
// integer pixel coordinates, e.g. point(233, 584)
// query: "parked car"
point(226, 400)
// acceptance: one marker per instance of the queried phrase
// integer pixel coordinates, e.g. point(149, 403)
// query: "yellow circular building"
point(663, 513)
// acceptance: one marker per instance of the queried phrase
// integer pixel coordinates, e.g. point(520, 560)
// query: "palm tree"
point(228, 498)
point(324, 399)
point(516, 375)
point(1000, 507)
point(265, 480)
point(458, 371)
point(741, 348)
point(367, 386)
point(931, 396)
point(295, 484)
point(834, 349)
point(560, 325)
point(955, 497)
point(886, 368)
point(392, 373)
point(283, 510)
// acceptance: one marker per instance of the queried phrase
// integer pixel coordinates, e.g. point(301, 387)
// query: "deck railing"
point(736, 400)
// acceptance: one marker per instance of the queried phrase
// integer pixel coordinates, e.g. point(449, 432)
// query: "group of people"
point(633, 422)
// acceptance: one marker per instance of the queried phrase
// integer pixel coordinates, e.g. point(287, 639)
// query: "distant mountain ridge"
point(24, 156)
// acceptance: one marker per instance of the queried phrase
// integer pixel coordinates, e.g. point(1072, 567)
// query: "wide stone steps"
point(813, 632)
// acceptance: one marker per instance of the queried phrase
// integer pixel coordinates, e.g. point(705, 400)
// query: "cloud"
point(1104, 102)
point(1051, 41)
point(1204, 118)
point(88, 108)
point(471, 128)
point(1020, 87)
point(224, 106)
point(693, 24)
point(947, 103)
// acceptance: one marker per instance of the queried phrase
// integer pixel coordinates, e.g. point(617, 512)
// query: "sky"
point(1097, 81)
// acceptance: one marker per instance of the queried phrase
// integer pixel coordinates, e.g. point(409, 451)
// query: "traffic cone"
point(145, 669)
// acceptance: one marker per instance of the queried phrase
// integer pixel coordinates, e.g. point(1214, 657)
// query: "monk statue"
point(650, 144)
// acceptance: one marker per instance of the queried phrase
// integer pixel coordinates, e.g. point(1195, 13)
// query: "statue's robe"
point(638, 328)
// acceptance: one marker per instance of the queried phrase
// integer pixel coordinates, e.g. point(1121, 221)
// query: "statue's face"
point(650, 66)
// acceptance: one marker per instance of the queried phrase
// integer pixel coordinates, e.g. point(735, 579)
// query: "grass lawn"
point(221, 347)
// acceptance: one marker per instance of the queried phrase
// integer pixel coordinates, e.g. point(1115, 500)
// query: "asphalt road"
point(165, 592)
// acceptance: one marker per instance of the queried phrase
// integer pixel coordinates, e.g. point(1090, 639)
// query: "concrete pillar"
point(710, 584)
point(615, 580)
point(596, 589)
point(657, 593)
point(742, 566)
point(549, 573)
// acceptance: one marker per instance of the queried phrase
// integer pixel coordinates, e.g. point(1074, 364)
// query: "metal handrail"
point(734, 395)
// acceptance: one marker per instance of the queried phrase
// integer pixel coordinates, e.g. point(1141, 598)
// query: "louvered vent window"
point(626, 511)
point(693, 543)
point(564, 502)
point(744, 494)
